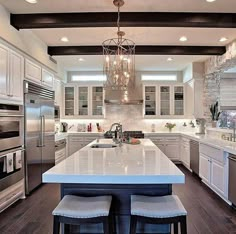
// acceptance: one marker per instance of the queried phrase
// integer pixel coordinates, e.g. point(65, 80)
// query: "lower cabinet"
point(212, 171)
point(168, 145)
point(76, 143)
point(185, 153)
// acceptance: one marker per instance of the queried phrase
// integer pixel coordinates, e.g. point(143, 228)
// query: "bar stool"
point(75, 210)
point(158, 210)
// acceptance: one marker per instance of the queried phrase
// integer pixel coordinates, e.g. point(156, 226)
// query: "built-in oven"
point(57, 113)
point(11, 126)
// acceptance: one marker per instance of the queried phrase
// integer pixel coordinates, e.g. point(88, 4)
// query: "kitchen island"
point(120, 172)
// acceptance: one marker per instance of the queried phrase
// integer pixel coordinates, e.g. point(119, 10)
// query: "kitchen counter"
point(129, 164)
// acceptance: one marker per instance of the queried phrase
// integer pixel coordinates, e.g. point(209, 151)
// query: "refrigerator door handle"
point(42, 129)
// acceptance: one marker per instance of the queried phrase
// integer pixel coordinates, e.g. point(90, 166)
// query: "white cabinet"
point(213, 169)
point(33, 71)
point(47, 78)
point(164, 101)
point(58, 89)
point(218, 176)
point(168, 145)
point(4, 71)
point(11, 75)
point(85, 101)
point(205, 168)
point(194, 101)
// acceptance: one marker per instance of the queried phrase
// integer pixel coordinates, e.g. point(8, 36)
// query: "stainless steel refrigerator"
point(39, 133)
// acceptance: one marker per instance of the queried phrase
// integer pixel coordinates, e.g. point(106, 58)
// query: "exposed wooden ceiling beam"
point(128, 19)
point(140, 50)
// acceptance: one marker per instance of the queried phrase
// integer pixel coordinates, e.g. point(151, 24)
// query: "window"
point(88, 78)
point(160, 77)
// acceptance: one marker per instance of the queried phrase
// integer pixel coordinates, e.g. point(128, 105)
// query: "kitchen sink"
point(103, 146)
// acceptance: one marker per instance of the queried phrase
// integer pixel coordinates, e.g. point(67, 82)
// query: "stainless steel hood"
point(132, 96)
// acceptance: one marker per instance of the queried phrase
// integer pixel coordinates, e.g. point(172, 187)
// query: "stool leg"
point(183, 224)
point(112, 223)
point(176, 228)
point(133, 224)
point(106, 226)
point(66, 228)
point(56, 225)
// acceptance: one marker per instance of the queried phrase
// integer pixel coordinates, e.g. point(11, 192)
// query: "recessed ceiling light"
point(64, 39)
point(210, 0)
point(81, 59)
point(183, 38)
point(223, 39)
point(31, 1)
point(170, 59)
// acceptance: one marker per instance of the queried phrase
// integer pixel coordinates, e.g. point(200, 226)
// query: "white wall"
point(24, 40)
point(188, 73)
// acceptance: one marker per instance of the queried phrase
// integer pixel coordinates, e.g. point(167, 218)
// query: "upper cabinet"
point(33, 71)
point(47, 78)
point(58, 89)
point(84, 101)
point(11, 75)
point(164, 101)
point(37, 74)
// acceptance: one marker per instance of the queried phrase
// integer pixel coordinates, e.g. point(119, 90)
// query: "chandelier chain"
point(118, 19)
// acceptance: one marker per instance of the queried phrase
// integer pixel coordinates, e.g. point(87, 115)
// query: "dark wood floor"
point(207, 213)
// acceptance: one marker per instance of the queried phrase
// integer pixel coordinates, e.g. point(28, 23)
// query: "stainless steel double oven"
point(11, 143)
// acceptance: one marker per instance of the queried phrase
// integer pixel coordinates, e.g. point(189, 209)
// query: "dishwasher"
point(194, 156)
point(232, 179)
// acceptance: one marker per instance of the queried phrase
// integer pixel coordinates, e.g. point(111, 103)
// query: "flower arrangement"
point(170, 126)
point(215, 113)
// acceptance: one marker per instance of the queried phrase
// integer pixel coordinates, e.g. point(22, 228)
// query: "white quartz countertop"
point(128, 164)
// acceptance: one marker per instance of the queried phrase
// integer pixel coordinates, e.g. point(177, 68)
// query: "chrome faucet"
point(118, 133)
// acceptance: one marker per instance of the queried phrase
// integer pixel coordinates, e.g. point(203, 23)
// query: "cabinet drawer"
point(76, 139)
point(212, 152)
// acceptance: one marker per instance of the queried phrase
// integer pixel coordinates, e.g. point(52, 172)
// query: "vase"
point(213, 124)
point(170, 129)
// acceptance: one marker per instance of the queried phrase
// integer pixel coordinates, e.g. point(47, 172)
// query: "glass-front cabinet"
point(97, 101)
point(69, 101)
point(84, 101)
point(164, 100)
point(150, 100)
point(178, 100)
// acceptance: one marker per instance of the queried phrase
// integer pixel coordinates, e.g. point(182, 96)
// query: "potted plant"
point(170, 126)
point(215, 113)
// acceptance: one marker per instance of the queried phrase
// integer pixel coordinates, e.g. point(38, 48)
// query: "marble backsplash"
point(131, 117)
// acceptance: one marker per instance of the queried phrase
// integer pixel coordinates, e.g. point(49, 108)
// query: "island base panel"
point(120, 203)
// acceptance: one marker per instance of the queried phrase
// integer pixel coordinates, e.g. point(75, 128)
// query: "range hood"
point(131, 96)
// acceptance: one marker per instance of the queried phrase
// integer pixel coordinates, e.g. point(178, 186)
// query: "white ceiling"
point(20, 6)
point(141, 35)
point(142, 62)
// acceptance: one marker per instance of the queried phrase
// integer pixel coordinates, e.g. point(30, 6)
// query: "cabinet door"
point(172, 151)
point(58, 91)
point(47, 78)
point(205, 168)
point(217, 177)
point(69, 101)
point(161, 147)
point(4, 74)
point(165, 102)
point(185, 155)
point(16, 76)
point(178, 100)
point(150, 100)
point(83, 101)
point(97, 101)
point(32, 71)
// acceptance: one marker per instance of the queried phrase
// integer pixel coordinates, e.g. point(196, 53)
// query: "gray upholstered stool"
point(75, 210)
point(158, 210)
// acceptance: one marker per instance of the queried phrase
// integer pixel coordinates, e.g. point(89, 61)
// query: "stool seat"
point(157, 207)
point(83, 207)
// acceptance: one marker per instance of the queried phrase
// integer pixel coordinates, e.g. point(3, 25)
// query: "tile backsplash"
point(131, 117)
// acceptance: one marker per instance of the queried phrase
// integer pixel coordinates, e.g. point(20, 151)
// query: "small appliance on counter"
point(64, 127)
point(200, 126)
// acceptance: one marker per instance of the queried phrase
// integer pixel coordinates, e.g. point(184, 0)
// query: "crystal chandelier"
point(119, 55)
